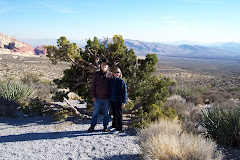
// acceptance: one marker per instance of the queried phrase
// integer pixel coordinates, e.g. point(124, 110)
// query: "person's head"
point(104, 64)
point(117, 73)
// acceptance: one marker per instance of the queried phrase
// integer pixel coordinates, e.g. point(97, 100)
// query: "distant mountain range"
point(226, 51)
point(230, 46)
point(221, 50)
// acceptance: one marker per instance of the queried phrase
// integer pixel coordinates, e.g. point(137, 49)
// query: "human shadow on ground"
point(48, 135)
point(54, 135)
point(23, 120)
point(121, 157)
point(40, 120)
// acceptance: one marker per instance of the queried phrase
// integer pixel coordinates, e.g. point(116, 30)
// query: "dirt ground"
point(186, 71)
point(208, 72)
point(14, 67)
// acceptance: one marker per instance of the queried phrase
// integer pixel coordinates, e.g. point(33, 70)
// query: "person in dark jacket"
point(100, 95)
point(117, 97)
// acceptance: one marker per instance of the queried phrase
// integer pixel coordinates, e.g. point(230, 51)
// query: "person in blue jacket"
point(117, 97)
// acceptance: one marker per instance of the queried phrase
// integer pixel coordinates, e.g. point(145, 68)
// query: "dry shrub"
point(167, 140)
point(188, 112)
point(216, 96)
point(236, 94)
point(179, 104)
point(30, 77)
point(192, 120)
point(44, 91)
point(195, 99)
point(225, 104)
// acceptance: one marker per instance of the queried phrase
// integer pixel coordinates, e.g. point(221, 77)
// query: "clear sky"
point(146, 20)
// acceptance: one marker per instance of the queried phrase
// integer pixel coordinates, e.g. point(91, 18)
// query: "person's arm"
point(93, 87)
point(124, 93)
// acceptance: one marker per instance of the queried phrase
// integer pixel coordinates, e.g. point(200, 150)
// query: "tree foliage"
point(144, 89)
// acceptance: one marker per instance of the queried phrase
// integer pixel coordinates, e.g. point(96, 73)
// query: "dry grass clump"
point(29, 77)
point(167, 140)
point(44, 91)
point(216, 96)
point(185, 110)
point(179, 104)
point(195, 99)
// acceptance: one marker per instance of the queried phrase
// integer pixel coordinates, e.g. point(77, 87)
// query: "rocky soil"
point(14, 67)
point(212, 73)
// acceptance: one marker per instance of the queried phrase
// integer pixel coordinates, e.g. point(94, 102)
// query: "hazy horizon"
point(150, 21)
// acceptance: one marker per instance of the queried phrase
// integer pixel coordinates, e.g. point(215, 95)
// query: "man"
point(99, 92)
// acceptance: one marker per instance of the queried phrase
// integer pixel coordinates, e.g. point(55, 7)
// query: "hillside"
point(184, 50)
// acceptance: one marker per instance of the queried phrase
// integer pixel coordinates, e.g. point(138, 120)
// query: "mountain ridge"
point(220, 50)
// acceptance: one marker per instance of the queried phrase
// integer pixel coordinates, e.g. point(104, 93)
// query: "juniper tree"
point(146, 91)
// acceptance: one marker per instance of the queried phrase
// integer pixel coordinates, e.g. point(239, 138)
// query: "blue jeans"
point(96, 110)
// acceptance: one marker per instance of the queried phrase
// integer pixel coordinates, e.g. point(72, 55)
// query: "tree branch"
point(76, 110)
point(81, 83)
point(92, 67)
point(134, 121)
point(137, 106)
point(71, 108)
point(96, 58)
point(132, 86)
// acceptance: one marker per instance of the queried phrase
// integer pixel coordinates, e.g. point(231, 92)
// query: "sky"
point(145, 20)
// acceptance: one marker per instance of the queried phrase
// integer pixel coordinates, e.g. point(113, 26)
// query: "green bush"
point(129, 106)
point(223, 124)
point(12, 94)
point(35, 108)
point(62, 114)
point(155, 113)
point(17, 91)
point(186, 91)
point(58, 95)
point(232, 89)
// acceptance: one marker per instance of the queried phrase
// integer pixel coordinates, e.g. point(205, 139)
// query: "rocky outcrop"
point(10, 45)
point(40, 50)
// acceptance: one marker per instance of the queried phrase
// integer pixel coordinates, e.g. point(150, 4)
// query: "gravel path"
point(41, 138)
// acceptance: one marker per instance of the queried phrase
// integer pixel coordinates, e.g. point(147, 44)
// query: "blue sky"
point(146, 20)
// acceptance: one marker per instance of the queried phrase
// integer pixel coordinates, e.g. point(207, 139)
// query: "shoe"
point(112, 129)
point(105, 129)
point(91, 129)
point(116, 132)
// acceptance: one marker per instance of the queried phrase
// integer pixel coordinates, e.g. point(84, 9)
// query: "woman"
point(117, 97)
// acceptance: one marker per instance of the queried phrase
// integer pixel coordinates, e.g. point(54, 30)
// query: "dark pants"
point(117, 115)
